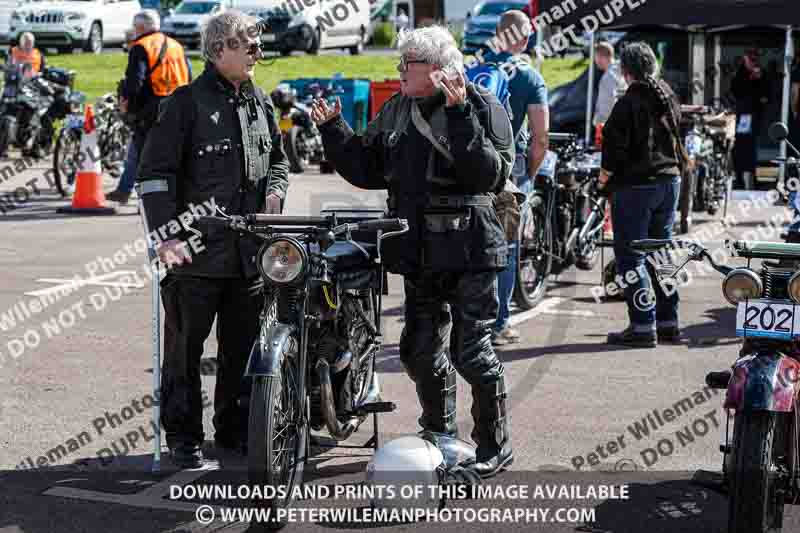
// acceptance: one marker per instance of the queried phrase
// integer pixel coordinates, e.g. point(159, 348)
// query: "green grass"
point(98, 74)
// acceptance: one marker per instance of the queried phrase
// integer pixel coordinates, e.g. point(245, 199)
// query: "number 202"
point(766, 318)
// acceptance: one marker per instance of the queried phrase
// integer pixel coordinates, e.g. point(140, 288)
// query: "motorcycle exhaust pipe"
point(338, 430)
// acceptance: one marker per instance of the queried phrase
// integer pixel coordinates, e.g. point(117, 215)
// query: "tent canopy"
point(587, 14)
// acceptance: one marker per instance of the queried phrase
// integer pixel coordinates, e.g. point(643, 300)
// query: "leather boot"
point(492, 429)
point(437, 396)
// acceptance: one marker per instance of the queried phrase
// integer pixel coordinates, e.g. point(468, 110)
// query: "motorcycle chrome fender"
point(266, 357)
point(764, 381)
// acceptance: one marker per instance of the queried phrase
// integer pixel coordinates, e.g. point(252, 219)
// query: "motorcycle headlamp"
point(793, 287)
point(282, 260)
point(742, 284)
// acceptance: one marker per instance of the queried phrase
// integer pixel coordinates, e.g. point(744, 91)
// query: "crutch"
point(156, 333)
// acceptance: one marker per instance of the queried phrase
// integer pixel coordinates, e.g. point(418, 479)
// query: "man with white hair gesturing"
point(215, 141)
point(441, 147)
point(157, 66)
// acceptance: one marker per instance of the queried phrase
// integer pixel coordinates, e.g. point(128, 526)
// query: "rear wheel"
point(316, 43)
point(589, 251)
point(276, 434)
point(65, 160)
point(358, 48)
point(755, 505)
point(535, 260)
point(94, 43)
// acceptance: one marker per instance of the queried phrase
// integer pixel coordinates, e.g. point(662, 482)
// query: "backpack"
point(493, 78)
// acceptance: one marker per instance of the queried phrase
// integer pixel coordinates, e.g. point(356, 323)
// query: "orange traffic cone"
point(89, 197)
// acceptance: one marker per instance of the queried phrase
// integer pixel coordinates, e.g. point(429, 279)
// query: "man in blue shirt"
point(528, 103)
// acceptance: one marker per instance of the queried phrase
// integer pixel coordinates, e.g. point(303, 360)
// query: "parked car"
point(185, 22)
point(87, 24)
point(568, 102)
point(313, 27)
point(482, 20)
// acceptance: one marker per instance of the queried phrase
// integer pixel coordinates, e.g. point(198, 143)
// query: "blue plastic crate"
point(355, 98)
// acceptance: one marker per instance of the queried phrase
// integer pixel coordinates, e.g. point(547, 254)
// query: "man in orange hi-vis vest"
point(157, 66)
point(25, 53)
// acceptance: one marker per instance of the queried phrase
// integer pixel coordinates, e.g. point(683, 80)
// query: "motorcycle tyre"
point(60, 178)
point(296, 164)
point(523, 299)
point(265, 394)
point(751, 495)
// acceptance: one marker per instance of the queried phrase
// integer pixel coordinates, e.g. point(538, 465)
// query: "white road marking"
point(68, 285)
point(546, 307)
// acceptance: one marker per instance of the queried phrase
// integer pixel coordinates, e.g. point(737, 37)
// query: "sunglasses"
point(403, 65)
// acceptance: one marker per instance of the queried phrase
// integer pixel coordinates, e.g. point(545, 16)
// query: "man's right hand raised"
point(321, 112)
point(174, 253)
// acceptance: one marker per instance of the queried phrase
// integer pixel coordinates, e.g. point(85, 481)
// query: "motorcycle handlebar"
point(383, 224)
point(286, 220)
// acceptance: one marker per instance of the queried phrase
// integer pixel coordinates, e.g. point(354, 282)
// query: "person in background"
point(216, 139)
point(751, 88)
point(157, 65)
point(642, 161)
point(530, 120)
point(128, 179)
point(793, 233)
point(27, 54)
point(612, 83)
point(401, 21)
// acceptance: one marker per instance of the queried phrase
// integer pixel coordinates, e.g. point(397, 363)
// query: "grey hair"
point(228, 26)
point(149, 18)
point(433, 44)
point(639, 61)
point(27, 36)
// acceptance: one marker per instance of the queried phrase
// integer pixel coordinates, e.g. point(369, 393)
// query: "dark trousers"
point(453, 313)
point(190, 306)
point(642, 212)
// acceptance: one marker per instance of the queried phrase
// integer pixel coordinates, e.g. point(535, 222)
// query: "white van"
point(296, 25)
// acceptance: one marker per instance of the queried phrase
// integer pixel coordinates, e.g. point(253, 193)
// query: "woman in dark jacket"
point(642, 161)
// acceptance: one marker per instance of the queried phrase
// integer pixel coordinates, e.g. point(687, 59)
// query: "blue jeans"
point(641, 212)
point(128, 178)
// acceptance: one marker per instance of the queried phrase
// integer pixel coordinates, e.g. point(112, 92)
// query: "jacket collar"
point(222, 84)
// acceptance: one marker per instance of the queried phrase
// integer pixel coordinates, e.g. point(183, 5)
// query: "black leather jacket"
point(211, 143)
point(393, 154)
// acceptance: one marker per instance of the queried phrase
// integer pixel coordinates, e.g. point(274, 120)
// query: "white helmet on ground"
point(402, 466)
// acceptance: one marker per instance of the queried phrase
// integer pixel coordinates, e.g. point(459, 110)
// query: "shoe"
point(507, 335)
point(669, 335)
point(187, 455)
point(634, 339)
point(119, 197)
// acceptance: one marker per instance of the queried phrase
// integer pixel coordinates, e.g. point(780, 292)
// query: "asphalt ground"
point(76, 382)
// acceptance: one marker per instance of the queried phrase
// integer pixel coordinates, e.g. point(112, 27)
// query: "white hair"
point(220, 28)
point(149, 19)
point(433, 44)
point(27, 37)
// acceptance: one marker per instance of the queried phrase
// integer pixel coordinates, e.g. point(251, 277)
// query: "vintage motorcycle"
point(709, 144)
point(314, 363)
point(761, 454)
point(562, 220)
point(113, 136)
point(302, 139)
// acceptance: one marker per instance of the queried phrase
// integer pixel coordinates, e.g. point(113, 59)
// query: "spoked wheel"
point(535, 260)
point(755, 503)
point(65, 160)
point(589, 251)
point(114, 151)
point(276, 435)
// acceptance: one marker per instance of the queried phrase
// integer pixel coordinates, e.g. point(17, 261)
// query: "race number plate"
point(767, 318)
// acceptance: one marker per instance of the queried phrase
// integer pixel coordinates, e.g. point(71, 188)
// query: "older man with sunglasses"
point(217, 140)
point(441, 147)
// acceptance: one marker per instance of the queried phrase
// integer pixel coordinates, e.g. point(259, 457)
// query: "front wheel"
point(94, 43)
point(755, 503)
point(277, 433)
point(65, 160)
point(535, 259)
